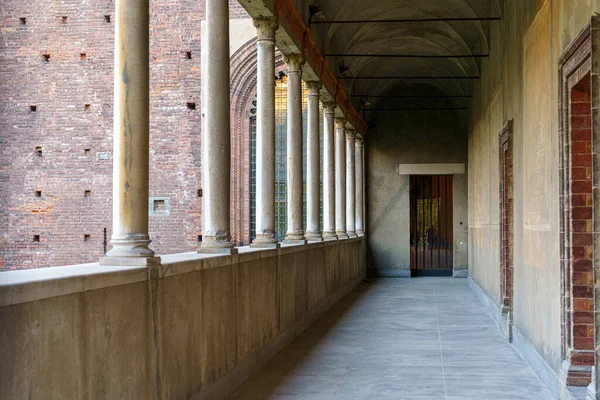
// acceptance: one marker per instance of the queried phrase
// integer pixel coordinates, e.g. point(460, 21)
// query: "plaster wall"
point(417, 137)
point(520, 81)
point(193, 328)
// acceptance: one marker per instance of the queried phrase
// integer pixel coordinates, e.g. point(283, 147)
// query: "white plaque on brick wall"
point(431, 169)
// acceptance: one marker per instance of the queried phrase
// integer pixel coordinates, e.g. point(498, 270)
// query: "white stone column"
point(131, 128)
point(328, 172)
point(313, 164)
point(358, 165)
point(216, 139)
point(295, 231)
point(340, 178)
point(265, 134)
point(350, 184)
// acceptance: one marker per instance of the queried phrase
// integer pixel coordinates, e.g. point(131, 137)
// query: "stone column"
point(340, 178)
point(328, 172)
point(295, 231)
point(265, 134)
point(350, 184)
point(131, 128)
point(313, 156)
point(216, 139)
point(358, 165)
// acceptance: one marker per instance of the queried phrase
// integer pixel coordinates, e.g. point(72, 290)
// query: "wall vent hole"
point(46, 57)
point(87, 194)
point(36, 238)
point(159, 205)
point(199, 238)
point(23, 20)
point(33, 108)
point(64, 19)
point(199, 192)
point(107, 18)
point(38, 151)
point(86, 238)
point(191, 105)
point(83, 56)
point(188, 55)
point(87, 152)
point(38, 193)
point(86, 107)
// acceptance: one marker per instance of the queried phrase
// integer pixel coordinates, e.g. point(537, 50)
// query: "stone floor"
point(424, 338)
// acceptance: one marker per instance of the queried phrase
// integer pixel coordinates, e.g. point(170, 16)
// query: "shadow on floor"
point(420, 338)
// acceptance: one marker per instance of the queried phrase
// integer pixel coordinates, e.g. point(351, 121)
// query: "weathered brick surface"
point(64, 128)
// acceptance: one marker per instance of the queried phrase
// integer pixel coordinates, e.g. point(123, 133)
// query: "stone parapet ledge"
point(23, 286)
point(35, 284)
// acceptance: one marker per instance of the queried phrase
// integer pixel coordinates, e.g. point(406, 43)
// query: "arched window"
point(280, 158)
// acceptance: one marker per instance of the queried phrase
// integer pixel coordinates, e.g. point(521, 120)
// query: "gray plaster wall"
point(520, 81)
point(409, 138)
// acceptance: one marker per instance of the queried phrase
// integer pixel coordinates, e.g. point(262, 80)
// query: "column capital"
point(313, 87)
point(265, 28)
point(293, 62)
point(358, 140)
point(340, 123)
point(350, 134)
point(328, 107)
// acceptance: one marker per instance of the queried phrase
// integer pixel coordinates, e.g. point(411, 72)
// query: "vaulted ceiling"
point(436, 40)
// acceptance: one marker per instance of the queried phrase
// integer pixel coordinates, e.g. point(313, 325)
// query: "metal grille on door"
point(431, 233)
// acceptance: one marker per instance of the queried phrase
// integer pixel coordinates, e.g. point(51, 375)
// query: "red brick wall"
point(64, 128)
point(581, 229)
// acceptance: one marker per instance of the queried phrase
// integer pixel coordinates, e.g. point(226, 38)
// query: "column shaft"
point(313, 230)
point(265, 134)
point(295, 231)
point(131, 127)
point(350, 184)
point(328, 172)
point(358, 165)
point(340, 178)
point(216, 132)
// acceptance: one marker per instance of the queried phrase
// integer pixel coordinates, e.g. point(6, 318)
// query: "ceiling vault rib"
point(407, 55)
point(405, 21)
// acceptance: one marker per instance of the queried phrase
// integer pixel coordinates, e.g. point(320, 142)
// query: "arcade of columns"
point(342, 148)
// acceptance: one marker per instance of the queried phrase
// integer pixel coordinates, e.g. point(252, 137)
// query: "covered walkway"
point(426, 338)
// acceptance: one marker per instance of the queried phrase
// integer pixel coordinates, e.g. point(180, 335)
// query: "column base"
point(352, 234)
point(360, 233)
point(314, 237)
point(218, 250)
point(130, 250)
point(264, 241)
point(217, 246)
point(264, 245)
point(294, 241)
point(130, 261)
point(329, 236)
point(341, 235)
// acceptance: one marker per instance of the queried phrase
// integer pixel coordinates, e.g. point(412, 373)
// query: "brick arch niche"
point(243, 94)
point(579, 215)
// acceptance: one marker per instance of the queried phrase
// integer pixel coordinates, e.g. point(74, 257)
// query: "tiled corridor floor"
point(424, 338)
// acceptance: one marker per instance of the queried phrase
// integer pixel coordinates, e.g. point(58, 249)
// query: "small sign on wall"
point(431, 169)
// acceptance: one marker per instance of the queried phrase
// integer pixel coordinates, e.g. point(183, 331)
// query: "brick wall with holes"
point(581, 229)
point(56, 67)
